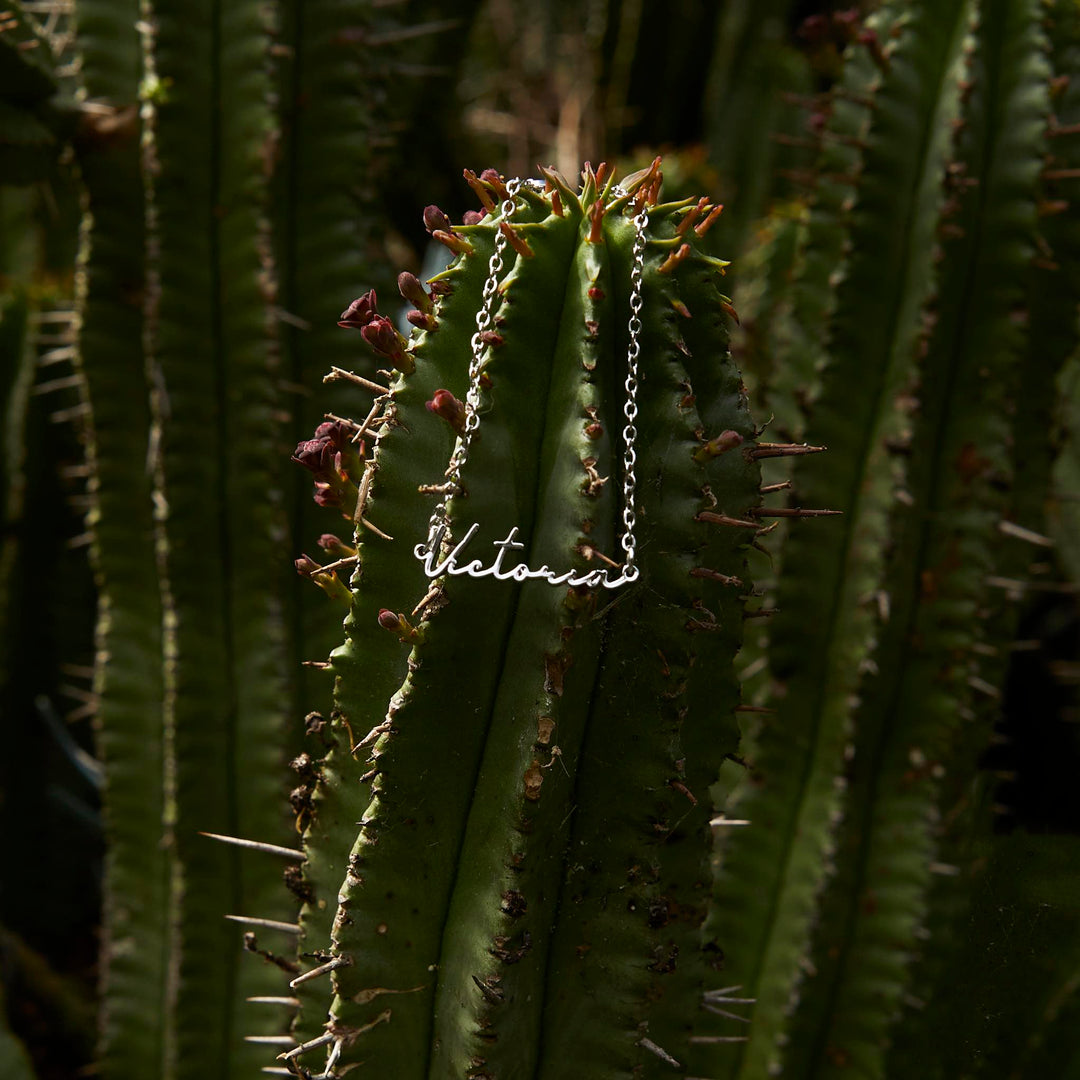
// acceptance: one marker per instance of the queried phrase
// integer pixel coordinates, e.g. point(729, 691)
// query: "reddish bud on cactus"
point(435, 220)
point(491, 337)
point(330, 583)
point(472, 217)
point(596, 217)
point(360, 312)
point(381, 335)
point(725, 441)
point(444, 404)
point(412, 290)
point(480, 190)
point(492, 178)
point(424, 322)
point(333, 460)
point(440, 288)
point(596, 293)
point(398, 624)
point(335, 546)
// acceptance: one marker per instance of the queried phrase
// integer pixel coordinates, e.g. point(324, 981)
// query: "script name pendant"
point(434, 568)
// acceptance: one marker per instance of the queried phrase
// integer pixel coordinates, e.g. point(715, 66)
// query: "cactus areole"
point(508, 846)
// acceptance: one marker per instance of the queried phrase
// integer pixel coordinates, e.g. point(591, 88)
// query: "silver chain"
point(439, 524)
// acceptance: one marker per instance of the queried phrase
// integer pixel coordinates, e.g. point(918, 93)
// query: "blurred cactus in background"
point(796, 801)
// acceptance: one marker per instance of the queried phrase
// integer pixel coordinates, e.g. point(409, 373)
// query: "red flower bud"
point(360, 312)
point(424, 322)
point(444, 404)
point(335, 546)
point(410, 288)
point(381, 335)
point(472, 217)
point(725, 441)
point(388, 620)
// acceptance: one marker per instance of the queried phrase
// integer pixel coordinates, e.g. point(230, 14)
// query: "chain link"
point(440, 516)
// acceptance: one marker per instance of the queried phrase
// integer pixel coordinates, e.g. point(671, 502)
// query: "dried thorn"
point(790, 512)
point(363, 489)
point(271, 1040)
point(494, 995)
point(257, 845)
point(372, 735)
point(449, 488)
point(1011, 529)
point(322, 969)
point(984, 687)
point(724, 1012)
point(725, 821)
point(377, 531)
point(336, 374)
point(290, 319)
point(782, 486)
point(723, 995)
point(723, 519)
point(66, 382)
point(771, 450)
point(708, 1040)
point(350, 560)
point(276, 1070)
point(1063, 129)
point(1061, 174)
point(290, 1002)
point(682, 789)
point(944, 869)
point(311, 1044)
point(321, 665)
point(63, 416)
point(269, 924)
point(715, 575)
point(659, 1051)
point(754, 709)
point(407, 33)
point(764, 613)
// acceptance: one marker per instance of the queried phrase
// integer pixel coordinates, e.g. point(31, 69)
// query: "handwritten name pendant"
point(434, 567)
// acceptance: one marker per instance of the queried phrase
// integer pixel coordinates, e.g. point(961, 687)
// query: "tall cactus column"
point(530, 763)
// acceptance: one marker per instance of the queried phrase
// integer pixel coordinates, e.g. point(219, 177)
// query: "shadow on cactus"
point(508, 839)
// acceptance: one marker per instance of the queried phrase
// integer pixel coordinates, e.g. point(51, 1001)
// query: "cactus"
point(528, 888)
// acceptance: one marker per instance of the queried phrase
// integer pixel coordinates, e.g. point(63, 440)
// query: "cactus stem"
point(271, 1040)
point(771, 450)
point(289, 1002)
point(322, 969)
point(790, 511)
point(723, 519)
point(269, 924)
point(784, 485)
point(659, 1051)
point(335, 374)
point(257, 845)
point(311, 1044)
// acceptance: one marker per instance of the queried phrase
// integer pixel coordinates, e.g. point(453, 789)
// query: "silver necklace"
point(439, 525)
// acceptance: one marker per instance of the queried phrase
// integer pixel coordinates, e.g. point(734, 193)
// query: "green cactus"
point(528, 889)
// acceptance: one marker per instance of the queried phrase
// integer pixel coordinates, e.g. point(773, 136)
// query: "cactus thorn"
point(516, 240)
point(791, 512)
point(715, 575)
point(322, 969)
point(704, 226)
point(783, 485)
point(691, 216)
point(335, 374)
point(556, 203)
point(723, 519)
point(311, 1044)
point(271, 1040)
point(257, 845)
point(771, 450)
point(659, 1051)
point(674, 259)
point(268, 924)
point(456, 243)
point(479, 189)
point(288, 1002)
